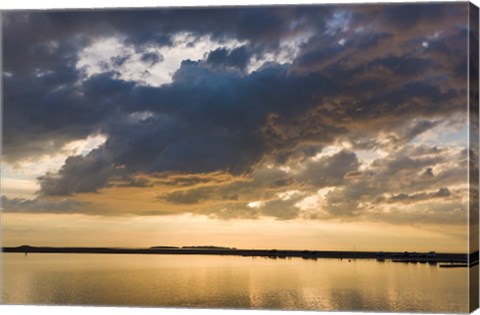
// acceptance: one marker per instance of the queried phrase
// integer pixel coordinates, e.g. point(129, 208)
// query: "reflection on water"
point(231, 282)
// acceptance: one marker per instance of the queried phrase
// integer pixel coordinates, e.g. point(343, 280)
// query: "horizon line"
point(215, 247)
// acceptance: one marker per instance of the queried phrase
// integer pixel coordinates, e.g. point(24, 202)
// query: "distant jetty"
point(404, 257)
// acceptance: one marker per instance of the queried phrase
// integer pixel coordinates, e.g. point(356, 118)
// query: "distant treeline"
point(427, 257)
point(196, 247)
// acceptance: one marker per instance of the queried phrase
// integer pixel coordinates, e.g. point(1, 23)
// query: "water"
point(231, 282)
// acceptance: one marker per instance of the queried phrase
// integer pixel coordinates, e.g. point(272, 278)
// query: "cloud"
point(278, 193)
point(330, 170)
point(39, 205)
point(445, 212)
point(408, 169)
point(246, 122)
point(442, 192)
point(42, 30)
point(41, 52)
point(78, 174)
point(237, 58)
point(203, 122)
point(151, 58)
point(39, 110)
point(263, 183)
point(55, 35)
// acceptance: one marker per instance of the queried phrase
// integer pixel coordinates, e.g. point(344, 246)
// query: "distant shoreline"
point(422, 257)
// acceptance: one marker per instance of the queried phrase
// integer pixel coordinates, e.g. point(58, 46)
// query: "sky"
point(302, 127)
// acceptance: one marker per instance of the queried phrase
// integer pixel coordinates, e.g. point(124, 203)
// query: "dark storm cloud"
point(373, 35)
point(237, 57)
point(406, 66)
point(203, 122)
point(32, 33)
point(408, 16)
point(79, 174)
point(43, 112)
point(40, 52)
point(361, 73)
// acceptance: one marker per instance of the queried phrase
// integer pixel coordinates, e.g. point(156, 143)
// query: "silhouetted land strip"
point(459, 265)
point(405, 257)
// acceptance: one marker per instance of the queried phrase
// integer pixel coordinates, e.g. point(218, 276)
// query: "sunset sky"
point(301, 127)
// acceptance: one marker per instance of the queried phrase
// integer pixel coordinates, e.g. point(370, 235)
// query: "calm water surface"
point(231, 282)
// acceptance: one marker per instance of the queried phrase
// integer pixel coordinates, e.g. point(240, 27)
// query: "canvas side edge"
point(1, 154)
point(473, 176)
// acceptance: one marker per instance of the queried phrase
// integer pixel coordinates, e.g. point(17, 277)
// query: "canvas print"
point(298, 157)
